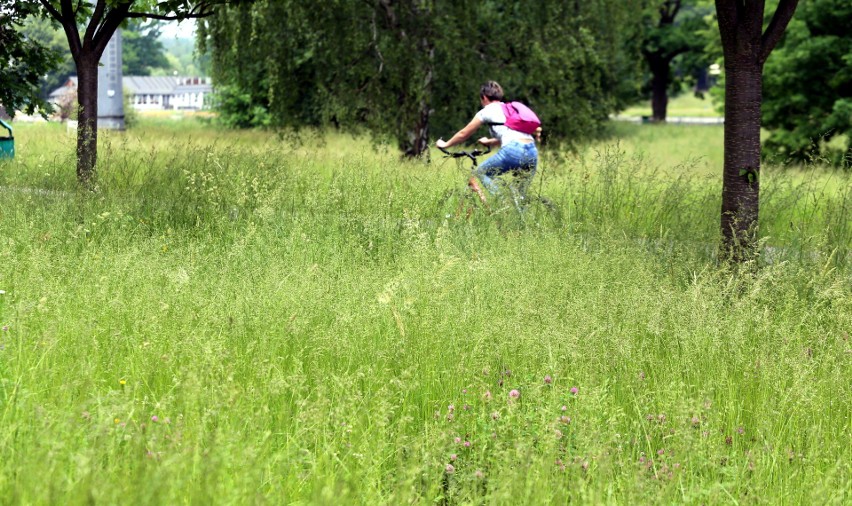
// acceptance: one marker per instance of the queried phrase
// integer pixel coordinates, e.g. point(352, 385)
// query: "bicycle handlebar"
point(469, 154)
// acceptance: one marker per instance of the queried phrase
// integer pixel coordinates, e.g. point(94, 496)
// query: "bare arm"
point(489, 141)
point(461, 135)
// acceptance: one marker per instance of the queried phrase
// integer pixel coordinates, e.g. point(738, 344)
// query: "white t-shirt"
point(493, 113)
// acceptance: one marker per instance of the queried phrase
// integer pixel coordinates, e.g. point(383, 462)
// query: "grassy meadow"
point(261, 318)
point(684, 104)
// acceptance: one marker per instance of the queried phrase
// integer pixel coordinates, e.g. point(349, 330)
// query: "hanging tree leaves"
point(411, 69)
point(23, 59)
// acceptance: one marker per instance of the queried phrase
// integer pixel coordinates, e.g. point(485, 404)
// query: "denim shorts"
point(516, 158)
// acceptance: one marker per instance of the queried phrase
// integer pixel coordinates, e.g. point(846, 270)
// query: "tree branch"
point(390, 15)
point(668, 11)
point(198, 11)
point(51, 10)
point(69, 24)
point(777, 25)
point(675, 52)
point(167, 17)
point(110, 24)
point(677, 6)
point(94, 22)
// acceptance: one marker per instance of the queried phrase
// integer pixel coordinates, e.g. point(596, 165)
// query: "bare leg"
point(474, 186)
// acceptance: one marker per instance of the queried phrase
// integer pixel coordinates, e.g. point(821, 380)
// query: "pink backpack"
point(519, 117)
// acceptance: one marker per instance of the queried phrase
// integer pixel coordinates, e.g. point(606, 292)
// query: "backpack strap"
point(503, 105)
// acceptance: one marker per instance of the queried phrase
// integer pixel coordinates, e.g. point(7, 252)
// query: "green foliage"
point(24, 60)
point(180, 52)
point(807, 100)
point(141, 50)
point(131, 115)
point(401, 67)
point(674, 33)
point(672, 38)
point(237, 109)
point(43, 31)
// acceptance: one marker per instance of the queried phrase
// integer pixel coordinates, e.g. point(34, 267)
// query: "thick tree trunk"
point(418, 141)
point(659, 88)
point(87, 115)
point(746, 48)
point(741, 177)
point(660, 60)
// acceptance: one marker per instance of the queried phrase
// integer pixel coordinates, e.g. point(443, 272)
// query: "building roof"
point(71, 83)
point(192, 88)
point(147, 85)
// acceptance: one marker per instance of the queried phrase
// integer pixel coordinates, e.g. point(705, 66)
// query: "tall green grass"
point(251, 318)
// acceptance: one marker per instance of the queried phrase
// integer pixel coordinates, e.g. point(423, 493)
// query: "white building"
point(191, 91)
point(151, 93)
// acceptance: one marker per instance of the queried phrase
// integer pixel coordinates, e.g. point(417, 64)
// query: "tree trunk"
point(87, 116)
point(659, 88)
point(418, 138)
point(419, 89)
point(746, 48)
point(741, 176)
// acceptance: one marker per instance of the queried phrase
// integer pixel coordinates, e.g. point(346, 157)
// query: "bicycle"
point(468, 199)
point(464, 201)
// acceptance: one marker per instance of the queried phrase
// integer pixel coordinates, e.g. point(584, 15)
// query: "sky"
point(173, 29)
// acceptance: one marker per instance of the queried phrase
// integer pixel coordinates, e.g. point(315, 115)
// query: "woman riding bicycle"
point(517, 155)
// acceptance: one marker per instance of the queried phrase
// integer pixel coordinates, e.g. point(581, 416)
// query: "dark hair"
point(491, 90)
